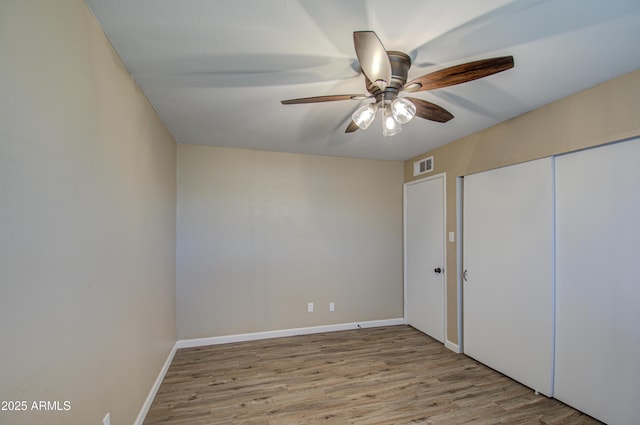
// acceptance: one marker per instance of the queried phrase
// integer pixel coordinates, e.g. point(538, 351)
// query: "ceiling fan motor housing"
point(400, 64)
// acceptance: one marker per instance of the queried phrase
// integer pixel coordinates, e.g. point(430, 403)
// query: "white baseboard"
point(156, 386)
point(200, 342)
point(451, 346)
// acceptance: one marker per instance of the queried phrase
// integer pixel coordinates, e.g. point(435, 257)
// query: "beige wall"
point(87, 221)
point(602, 114)
point(260, 234)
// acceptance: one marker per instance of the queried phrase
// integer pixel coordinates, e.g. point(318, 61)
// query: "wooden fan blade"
point(430, 111)
point(460, 74)
point(351, 127)
point(373, 58)
point(316, 99)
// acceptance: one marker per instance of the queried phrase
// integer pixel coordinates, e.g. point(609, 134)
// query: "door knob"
point(438, 270)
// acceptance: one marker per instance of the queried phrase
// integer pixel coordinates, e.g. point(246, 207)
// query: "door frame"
point(459, 348)
point(442, 176)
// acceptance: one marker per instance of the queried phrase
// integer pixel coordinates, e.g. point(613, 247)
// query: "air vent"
point(423, 166)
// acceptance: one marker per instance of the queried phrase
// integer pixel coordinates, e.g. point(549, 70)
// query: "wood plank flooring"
point(389, 375)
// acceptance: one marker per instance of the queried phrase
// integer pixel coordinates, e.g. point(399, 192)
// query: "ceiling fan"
point(385, 75)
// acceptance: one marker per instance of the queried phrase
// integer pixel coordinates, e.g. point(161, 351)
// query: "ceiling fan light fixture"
point(390, 127)
point(364, 115)
point(403, 110)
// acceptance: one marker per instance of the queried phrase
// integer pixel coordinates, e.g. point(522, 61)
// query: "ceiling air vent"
point(423, 166)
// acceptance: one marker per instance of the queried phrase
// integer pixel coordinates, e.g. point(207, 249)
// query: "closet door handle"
point(464, 275)
point(437, 270)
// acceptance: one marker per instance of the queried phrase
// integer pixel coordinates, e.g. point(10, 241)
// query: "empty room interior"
point(301, 212)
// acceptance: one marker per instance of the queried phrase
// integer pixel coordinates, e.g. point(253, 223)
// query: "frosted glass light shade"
point(364, 115)
point(390, 126)
point(403, 110)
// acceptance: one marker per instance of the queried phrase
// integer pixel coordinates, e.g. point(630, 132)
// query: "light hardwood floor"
point(389, 375)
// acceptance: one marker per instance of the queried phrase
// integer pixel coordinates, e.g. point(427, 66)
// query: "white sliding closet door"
point(508, 257)
point(598, 282)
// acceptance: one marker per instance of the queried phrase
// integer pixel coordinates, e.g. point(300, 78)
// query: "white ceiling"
point(216, 70)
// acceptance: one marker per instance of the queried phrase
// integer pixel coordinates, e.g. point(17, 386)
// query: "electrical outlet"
point(332, 306)
point(310, 307)
point(107, 419)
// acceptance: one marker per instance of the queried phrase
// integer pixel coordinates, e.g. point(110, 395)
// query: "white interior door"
point(598, 282)
point(424, 256)
point(508, 258)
